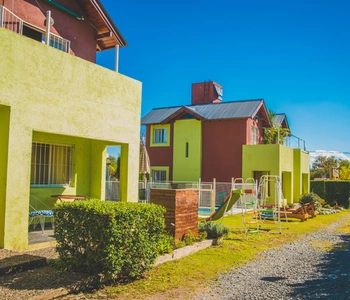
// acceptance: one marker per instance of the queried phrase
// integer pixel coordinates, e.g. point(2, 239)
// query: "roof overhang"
point(261, 114)
point(107, 34)
point(182, 111)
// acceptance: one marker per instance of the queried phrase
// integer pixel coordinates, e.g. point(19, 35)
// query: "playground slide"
point(230, 200)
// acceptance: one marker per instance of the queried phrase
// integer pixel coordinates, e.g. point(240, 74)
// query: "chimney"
point(206, 92)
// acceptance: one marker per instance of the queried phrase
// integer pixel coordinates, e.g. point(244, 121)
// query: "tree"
point(274, 134)
point(113, 167)
point(323, 167)
point(344, 172)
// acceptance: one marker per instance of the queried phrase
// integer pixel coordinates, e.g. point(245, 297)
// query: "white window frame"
point(51, 165)
point(254, 136)
point(159, 173)
point(160, 135)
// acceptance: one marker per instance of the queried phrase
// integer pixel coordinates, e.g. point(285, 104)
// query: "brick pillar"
point(181, 210)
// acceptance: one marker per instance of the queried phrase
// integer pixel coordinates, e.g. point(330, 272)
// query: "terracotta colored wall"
point(161, 156)
point(181, 210)
point(222, 149)
point(80, 33)
point(198, 95)
point(256, 123)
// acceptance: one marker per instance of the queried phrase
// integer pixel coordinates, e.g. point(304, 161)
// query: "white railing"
point(11, 22)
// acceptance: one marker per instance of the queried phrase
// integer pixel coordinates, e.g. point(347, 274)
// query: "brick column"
point(181, 210)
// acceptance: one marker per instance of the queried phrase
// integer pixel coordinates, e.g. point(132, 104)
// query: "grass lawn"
point(181, 278)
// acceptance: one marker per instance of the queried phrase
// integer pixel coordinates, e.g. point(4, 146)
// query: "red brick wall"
point(181, 210)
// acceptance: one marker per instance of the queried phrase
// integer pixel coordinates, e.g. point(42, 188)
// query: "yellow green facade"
point(187, 158)
point(291, 165)
point(49, 96)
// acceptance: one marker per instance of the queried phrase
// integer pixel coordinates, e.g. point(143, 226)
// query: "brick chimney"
point(206, 92)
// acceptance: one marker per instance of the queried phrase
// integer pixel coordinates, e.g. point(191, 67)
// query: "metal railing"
point(11, 22)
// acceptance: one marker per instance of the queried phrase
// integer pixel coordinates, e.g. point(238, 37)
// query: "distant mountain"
point(336, 154)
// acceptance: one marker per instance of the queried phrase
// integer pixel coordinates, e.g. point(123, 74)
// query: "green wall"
point(187, 168)
point(292, 165)
point(4, 134)
point(56, 96)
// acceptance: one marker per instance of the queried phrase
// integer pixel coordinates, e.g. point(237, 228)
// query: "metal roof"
point(279, 119)
point(209, 111)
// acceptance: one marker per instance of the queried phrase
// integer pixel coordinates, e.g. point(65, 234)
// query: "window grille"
point(51, 164)
point(160, 136)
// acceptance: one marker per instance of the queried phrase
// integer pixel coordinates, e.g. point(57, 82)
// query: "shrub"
point(190, 238)
point(166, 244)
point(318, 187)
point(109, 239)
point(214, 230)
point(309, 198)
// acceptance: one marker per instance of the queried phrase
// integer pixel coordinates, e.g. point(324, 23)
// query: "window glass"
point(159, 175)
point(254, 137)
point(160, 136)
point(51, 164)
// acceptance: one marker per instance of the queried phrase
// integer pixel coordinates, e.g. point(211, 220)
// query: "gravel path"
point(300, 270)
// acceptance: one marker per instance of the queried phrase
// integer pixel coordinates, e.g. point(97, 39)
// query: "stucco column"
point(4, 135)
point(98, 171)
point(17, 185)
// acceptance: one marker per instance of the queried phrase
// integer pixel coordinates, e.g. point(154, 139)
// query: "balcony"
point(11, 22)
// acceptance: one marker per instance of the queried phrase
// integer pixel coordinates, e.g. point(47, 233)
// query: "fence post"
point(199, 191)
point(212, 200)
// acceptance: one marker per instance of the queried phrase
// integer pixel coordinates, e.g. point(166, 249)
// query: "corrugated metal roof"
point(279, 119)
point(209, 111)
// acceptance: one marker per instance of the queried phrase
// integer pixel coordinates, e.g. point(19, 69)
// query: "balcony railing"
point(11, 22)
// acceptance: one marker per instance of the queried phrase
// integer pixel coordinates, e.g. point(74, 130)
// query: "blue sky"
point(292, 53)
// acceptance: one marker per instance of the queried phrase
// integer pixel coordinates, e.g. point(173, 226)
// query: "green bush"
point(337, 192)
point(109, 239)
point(190, 238)
point(318, 187)
point(214, 230)
point(309, 198)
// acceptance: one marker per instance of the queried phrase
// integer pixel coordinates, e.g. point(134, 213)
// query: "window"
point(159, 175)
point(186, 149)
point(51, 164)
point(255, 136)
point(160, 136)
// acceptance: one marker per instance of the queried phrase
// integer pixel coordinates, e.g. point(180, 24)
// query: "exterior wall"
point(71, 99)
point(204, 92)
point(254, 123)
point(161, 156)
point(4, 136)
point(277, 160)
point(187, 168)
point(302, 174)
point(80, 33)
point(222, 149)
point(181, 210)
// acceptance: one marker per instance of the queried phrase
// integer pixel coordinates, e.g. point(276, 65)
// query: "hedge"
point(333, 192)
point(109, 239)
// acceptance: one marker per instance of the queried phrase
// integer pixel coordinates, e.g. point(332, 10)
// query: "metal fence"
point(209, 193)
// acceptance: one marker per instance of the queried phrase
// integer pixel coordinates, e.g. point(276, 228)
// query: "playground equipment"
point(250, 206)
point(270, 187)
point(230, 200)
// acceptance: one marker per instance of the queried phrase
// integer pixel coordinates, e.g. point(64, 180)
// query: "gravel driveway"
point(300, 270)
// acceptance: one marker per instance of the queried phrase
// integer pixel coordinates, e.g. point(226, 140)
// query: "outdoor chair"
point(39, 215)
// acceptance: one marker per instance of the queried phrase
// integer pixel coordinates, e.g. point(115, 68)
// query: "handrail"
point(12, 22)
